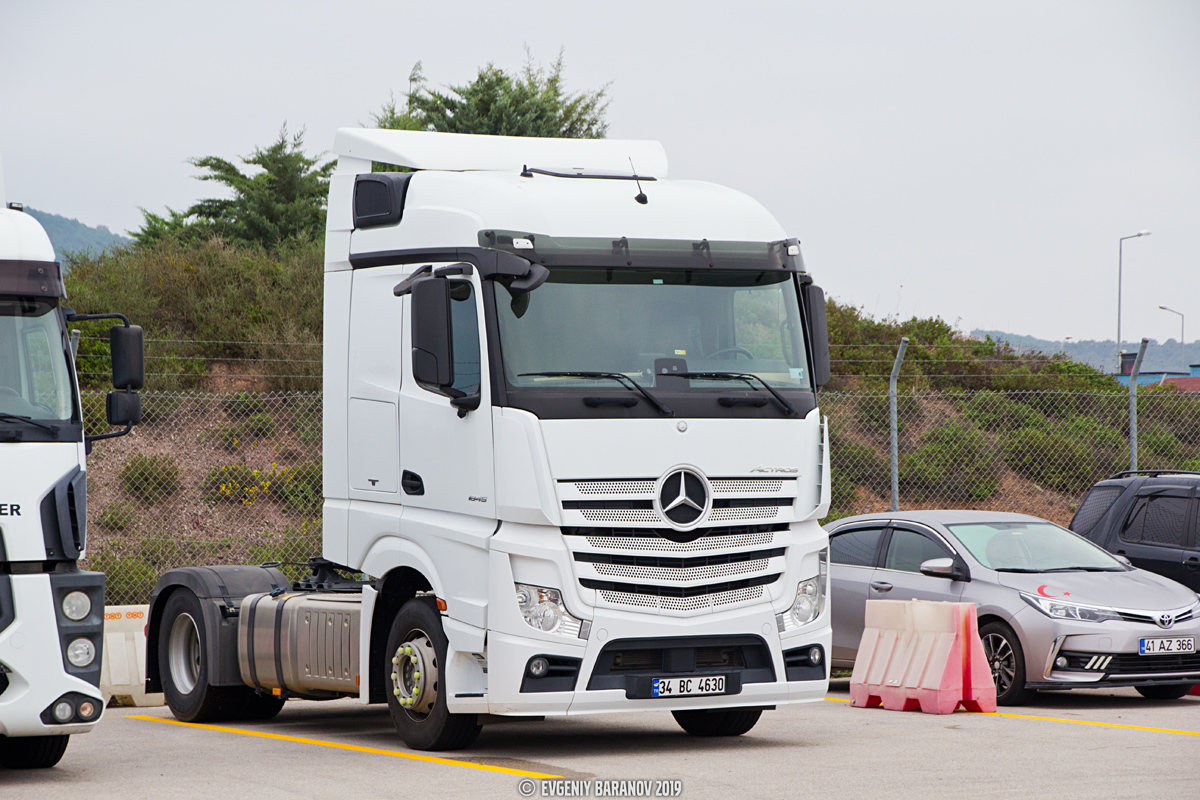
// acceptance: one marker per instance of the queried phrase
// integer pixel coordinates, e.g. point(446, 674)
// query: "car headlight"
point(77, 606)
point(81, 652)
point(810, 594)
point(1058, 609)
point(543, 610)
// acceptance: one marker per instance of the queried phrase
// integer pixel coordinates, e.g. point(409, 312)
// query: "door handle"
point(412, 483)
point(1120, 552)
point(1192, 563)
point(881, 586)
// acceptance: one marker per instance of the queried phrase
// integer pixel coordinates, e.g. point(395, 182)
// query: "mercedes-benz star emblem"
point(1165, 620)
point(683, 498)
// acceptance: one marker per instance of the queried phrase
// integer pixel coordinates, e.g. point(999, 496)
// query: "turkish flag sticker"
point(1046, 590)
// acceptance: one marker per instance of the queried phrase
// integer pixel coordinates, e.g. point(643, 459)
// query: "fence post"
point(895, 445)
point(1133, 376)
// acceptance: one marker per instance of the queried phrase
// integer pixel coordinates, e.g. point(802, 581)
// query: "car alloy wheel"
point(1002, 661)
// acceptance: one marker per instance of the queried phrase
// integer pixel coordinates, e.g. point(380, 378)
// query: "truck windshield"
point(650, 323)
point(35, 381)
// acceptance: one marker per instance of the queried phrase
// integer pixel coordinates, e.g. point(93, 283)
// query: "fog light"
point(1061, 662)
point(814, 656)
point(538, 667)
point(77, 605)
point(81, 652)
point(64, 711)
point(88, 710)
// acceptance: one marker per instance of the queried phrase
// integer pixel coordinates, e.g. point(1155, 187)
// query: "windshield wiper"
point(626, 381)
point(1085, 569)
point(746, 377)
point(29, 421)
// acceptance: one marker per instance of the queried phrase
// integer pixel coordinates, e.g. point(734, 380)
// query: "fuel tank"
point(300, 643)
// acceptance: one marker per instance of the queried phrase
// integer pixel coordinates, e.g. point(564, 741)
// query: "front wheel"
point(34, 752)
point(1007, 662)
point(718, 722)
point(183, 661)
point(416, 670)
point(1164, 692)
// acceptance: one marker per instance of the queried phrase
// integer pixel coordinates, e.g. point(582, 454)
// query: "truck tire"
point(33, 752)
point(418, 702)
point(184, 664)
point(718, 722)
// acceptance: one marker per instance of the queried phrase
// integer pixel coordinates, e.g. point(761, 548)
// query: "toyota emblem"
point(683, 498)
point(1165, 620)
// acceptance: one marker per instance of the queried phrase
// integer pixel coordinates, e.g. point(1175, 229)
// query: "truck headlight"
point(81, 652)
point(543, 610)
point(1053, 607)
point(810, 594)
point(77, 606)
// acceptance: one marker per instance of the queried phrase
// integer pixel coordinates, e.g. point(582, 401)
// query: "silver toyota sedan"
point(1055, 611)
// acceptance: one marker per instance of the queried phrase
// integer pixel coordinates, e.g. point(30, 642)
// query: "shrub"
point(150, 478)
point(117, 517)
point(291, 549)
point(859, 463)
point(300, 487)
point(241, 405)
point(259, 425)
point(1160, 443)
point(953, 462)
point(128, 579)
point(95, 419)
point(228, 438)
point(236, 483)
point(995, 411)
point(1067, 456)
point(873, 412)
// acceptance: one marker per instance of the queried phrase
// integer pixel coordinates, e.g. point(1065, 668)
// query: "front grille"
point(1152, 619)
point(1132, 664)
point(631, 501)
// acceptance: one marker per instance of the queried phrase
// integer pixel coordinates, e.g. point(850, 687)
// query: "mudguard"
point(220, 590)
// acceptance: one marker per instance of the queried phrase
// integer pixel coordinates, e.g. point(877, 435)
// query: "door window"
point(856, 547)
point(464, 327)
point(1157, 521)
point(1094, 506)
point(907, 550)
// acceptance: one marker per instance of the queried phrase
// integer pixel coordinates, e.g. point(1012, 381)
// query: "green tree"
point(531, 103)
point(283, 200)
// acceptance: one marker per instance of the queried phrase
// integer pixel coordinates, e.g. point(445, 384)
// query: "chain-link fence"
point(236, 478)
point(205, 479)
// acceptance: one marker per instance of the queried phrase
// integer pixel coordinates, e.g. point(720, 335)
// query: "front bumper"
point(759, 682)
point(1100, 654)
point(31, 648)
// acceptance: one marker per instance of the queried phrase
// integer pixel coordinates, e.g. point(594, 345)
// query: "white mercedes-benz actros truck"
point(51, 612)
point(573, 460)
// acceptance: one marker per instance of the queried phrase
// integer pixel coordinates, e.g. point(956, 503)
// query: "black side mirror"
point(123, 408)
point(432, 350)
point(128, 357)
point(818, 333)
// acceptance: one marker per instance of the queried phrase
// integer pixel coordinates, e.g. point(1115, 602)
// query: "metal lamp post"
point(1182, 353)
point(1120, 269)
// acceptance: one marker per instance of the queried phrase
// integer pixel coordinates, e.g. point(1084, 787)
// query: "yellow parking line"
point(1058, 719)
point(356, 748)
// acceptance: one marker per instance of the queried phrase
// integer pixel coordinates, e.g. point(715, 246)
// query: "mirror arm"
point(89, 439)
point(466, 402)
point(73, 317)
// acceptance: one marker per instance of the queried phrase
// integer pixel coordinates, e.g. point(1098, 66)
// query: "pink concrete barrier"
point(917, 655)
point(1195, 689)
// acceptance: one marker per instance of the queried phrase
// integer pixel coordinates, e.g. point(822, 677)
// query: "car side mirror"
point(953, 568)
point(432, 347)
point(1125, 561)
point(818, 332)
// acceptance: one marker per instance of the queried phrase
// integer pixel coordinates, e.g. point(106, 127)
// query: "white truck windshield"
point(34, 379)
point(651, 323)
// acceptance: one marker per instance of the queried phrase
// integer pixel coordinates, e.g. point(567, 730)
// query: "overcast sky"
point(975, 161)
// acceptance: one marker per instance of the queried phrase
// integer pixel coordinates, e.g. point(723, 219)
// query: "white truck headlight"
point(543, 610)
point(77, 606)
point(810, 595)
point(81, 652)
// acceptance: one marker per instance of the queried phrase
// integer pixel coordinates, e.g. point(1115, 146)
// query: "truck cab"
point(51, 612)
point(571, 441)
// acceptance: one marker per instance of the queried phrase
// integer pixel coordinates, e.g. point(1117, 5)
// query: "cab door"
point(445, 451)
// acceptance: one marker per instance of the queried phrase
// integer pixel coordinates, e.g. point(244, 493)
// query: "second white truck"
point(572, 449)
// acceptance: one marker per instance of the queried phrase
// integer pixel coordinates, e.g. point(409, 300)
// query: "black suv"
point(1150, 517)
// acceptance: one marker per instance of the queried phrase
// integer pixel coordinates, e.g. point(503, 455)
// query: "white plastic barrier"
point(123, 673)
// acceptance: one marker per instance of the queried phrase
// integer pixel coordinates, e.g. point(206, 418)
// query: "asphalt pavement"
point(1102, 743)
